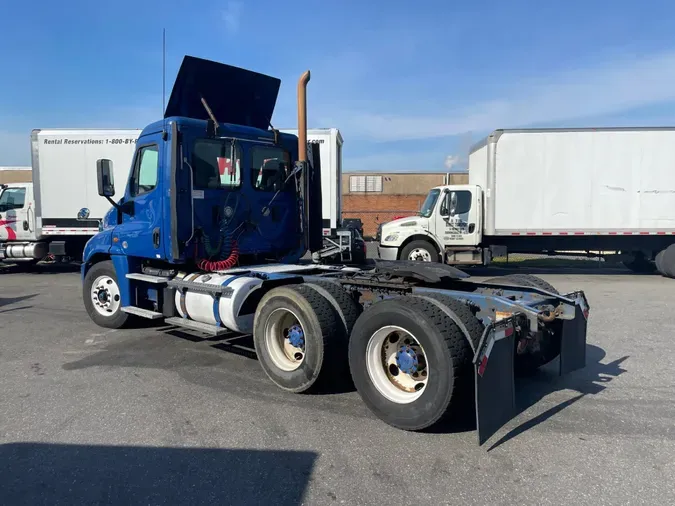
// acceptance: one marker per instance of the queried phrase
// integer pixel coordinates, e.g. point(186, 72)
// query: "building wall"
point(388, 196)
point(15, 175)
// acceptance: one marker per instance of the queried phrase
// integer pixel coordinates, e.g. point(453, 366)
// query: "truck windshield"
point(12, 198)
point(429, 203)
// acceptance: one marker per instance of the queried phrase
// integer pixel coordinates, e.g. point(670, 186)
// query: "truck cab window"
point(462, 203)
point(212, 164)
point(12, 198)
point(270, 167)
point(145, 171)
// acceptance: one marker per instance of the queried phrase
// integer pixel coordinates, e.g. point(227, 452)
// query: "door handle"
point(155, 237)
point(472, 227)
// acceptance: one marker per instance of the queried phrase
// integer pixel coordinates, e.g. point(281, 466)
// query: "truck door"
point(458, 219)
point(141, 233)
point(17, 214)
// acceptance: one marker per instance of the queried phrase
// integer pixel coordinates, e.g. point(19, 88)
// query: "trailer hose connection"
point(221, 265)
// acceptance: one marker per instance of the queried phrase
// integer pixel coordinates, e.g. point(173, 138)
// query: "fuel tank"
point(201, 306)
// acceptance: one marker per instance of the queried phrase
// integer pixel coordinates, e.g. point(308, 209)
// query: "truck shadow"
point(6, 301)
point(531, 389)
point(590, 380)
point(42, 473)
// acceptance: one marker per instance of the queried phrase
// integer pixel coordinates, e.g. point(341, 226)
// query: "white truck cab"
point(448, 228)
point(17, 216)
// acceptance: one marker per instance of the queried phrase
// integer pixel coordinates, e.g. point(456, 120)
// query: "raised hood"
point(235, 95)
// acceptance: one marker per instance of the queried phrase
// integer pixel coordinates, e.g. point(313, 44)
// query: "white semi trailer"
point(549, 191)
point(61, 209)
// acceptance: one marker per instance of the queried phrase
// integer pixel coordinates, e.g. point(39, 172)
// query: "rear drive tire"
point(421, 250)
point(295, 334)
point(525, 280)
point(102, 298)
point(527, 363)
point(346, 312)
point(395, 339)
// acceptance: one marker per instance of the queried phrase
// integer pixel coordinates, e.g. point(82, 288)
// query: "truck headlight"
point(391, 238)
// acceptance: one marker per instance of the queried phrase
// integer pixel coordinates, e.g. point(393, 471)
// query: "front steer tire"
point(420, 244)
point(448, 357)
point(115, 318)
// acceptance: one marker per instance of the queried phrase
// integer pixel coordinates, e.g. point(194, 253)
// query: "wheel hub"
point(406, 359)
point(102, 296)
point(296, 337)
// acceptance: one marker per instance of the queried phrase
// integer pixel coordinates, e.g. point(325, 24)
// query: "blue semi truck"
point(209, 236)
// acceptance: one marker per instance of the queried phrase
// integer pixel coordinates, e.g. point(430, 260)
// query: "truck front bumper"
point(387, 252)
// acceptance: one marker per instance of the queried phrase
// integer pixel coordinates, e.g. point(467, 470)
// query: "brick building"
point(15, 175)
point(380, 197)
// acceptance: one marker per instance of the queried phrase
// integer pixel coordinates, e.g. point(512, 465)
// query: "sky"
point(410, 85)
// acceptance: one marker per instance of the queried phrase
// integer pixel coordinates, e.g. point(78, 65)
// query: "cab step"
point(143, 313)
point(148, 278)
point(198, 326)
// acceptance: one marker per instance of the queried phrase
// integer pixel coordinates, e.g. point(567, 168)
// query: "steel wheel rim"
point(105, 295)
point(390, 372)
point(281, 339)
point(420, 255)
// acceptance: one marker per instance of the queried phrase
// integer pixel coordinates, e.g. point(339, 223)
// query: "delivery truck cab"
point(17, 220)
point(449, 223)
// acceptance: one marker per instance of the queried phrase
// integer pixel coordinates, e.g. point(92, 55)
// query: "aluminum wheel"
point(285, 339)
point(106, 295)
point(420, 255)
point(396, 364)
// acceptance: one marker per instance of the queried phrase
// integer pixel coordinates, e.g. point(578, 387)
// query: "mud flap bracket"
point(493, 372)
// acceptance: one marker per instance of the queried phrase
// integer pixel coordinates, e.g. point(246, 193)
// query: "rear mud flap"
point(495, 384)
point(573, 339)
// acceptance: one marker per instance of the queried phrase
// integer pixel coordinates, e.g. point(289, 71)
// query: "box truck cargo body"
point(343, 241)
point(330, 148)
point(61, 209)
point(552, 190)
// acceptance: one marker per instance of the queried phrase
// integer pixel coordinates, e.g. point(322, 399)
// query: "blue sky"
point(410, 84)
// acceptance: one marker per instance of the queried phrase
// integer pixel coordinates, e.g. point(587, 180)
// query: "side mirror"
point(104, 174)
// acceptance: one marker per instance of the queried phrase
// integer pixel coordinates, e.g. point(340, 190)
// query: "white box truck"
point(60, 210)
point(549, 191)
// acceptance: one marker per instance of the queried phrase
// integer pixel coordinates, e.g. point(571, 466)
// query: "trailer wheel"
point(668, 262)
point(102, 298)
point(410, 363)
point(527, 363)
point(658, 261)
point(421, 251)
point(295, 334)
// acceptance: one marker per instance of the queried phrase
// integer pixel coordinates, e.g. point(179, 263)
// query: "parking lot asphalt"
point(145, 416)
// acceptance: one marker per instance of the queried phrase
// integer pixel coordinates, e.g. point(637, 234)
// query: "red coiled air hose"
point(221, 265)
